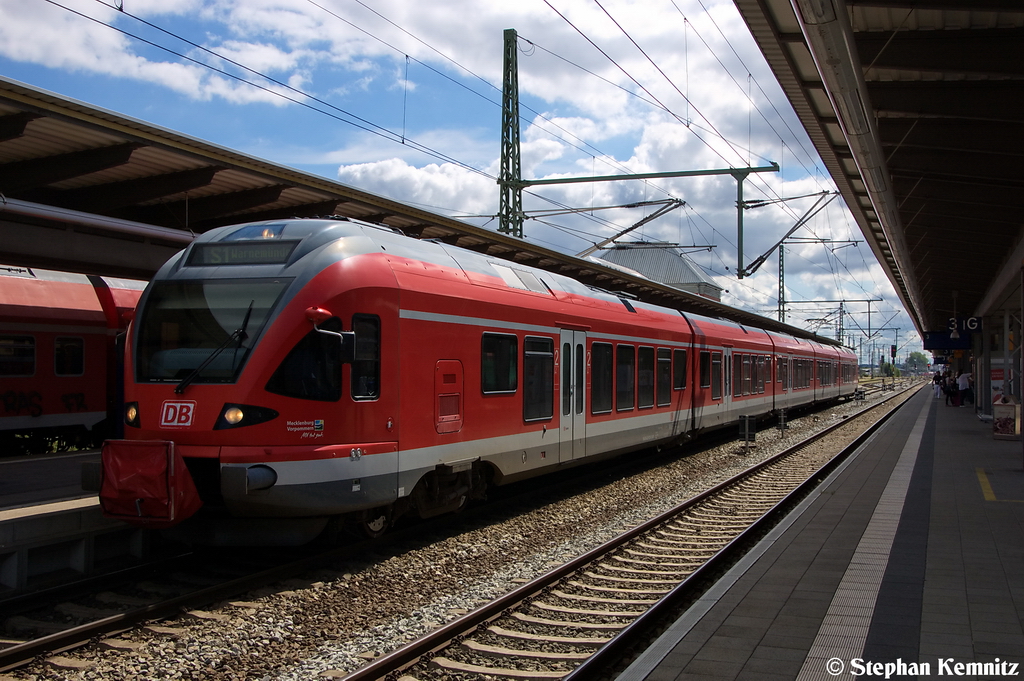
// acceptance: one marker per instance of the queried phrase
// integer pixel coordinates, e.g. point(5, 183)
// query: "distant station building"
point(666, 265)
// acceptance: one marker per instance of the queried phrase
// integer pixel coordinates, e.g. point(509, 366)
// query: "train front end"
point(251, 396)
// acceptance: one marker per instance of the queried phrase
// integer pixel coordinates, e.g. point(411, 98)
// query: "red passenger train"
point(283, 373)
point(59, 371)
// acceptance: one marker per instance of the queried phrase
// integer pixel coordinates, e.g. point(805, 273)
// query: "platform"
point(42, 479)
point(49, 525)
point(908, 561)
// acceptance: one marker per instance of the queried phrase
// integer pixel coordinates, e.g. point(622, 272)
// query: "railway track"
point(579, 618)
point(128, 604)
point(79, 612)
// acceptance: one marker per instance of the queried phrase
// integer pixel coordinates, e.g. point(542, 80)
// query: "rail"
point(426, 658)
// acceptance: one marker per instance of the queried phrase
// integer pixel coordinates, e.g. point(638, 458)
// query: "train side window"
point(705, 369)
point(17, 355)
point(664, 377)
point(645, 378)
point(68, 356)
point(802, 370)
point(498, 363)
point(538, 378)
point(366, 363)
point(737, 375)
point(601, 371)
point(624, 378)
point(581, 377)
point(761, 373)
point(716, 375)
point(566, 378)
point(312, 369)
point(679, 369)
point(746, 374)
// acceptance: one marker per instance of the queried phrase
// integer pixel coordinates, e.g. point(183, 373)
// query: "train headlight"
point(131, 414)
point(240, 415)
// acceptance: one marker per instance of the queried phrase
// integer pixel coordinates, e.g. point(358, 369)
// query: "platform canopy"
point(914, 107)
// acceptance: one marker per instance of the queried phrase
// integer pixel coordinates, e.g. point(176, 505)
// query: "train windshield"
point(186, 324)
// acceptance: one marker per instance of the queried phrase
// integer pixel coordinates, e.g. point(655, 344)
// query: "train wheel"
point(375, 521)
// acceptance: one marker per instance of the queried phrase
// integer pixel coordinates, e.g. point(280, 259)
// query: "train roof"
point(37, 274)
point(301, 237)
point(37, 295)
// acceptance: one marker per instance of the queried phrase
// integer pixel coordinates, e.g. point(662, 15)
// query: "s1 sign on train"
point(280, 374)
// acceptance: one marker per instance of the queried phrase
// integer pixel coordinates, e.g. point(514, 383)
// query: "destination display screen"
point(270, 252)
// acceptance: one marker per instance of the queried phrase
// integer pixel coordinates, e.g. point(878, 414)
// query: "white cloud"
point(444, 188)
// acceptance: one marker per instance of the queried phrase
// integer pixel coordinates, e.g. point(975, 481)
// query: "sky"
point(402, 98)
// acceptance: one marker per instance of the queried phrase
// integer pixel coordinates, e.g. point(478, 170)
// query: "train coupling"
point(146, 483)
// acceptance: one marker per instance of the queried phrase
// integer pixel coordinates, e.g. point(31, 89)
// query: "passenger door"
point(572, 435)
point(727, 378)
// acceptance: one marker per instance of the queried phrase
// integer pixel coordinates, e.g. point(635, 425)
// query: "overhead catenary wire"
point(401, 138)
point(635, 81)
point(341, 115)
point(608, 14)
point(646, 90)
point(313, 103)
point(795, 136)
point(359, 122)
point(674, 86)
point(594, 150)
point(362, 124)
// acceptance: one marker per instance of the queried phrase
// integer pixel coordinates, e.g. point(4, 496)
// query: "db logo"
point(177, 413)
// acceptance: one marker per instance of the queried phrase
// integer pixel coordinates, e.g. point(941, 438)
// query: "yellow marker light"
point(131, 413)
point(233, 415)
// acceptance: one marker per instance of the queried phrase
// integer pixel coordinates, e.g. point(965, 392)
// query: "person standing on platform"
point(949, 388)
point(963, 384)
point(937, 381)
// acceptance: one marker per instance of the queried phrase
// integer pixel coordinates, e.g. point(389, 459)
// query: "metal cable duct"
point(826, 28)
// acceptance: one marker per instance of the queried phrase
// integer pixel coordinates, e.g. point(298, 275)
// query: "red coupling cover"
point(146, 483)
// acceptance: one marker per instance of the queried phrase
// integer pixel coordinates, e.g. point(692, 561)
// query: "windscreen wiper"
point(238, 334)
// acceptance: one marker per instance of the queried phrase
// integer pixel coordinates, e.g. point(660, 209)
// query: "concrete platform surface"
point(907, 562)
